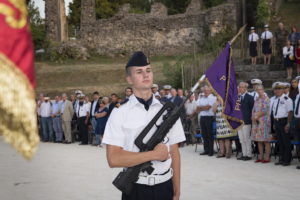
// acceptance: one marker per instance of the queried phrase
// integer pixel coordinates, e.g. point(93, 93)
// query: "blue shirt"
point(56, 108)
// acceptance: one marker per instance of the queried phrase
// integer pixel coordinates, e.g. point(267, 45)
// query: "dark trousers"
point(284, 142)
point(163, 191)
point(297, 128)
point(83, 129)
point(206, 123)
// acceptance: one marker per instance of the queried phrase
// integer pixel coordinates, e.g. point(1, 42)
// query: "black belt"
point(280, 119)
point(208, 116)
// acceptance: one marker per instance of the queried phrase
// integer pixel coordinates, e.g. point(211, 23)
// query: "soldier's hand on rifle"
point(161, 152)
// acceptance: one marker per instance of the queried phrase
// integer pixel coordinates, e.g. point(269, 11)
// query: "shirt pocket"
point(131, 132)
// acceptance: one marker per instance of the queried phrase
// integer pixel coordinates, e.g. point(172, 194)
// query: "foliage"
point(37, 26)
point(263, 13)
point(175, 6)
point(212, 3)
point(75, 13)
point(216, 43)
point(173, 73)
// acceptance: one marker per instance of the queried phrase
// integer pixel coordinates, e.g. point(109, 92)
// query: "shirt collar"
point(133, 101)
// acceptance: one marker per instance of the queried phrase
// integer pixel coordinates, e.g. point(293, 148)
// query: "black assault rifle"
point(170, 114)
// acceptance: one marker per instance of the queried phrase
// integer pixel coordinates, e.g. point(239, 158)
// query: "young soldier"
point(282, 111)
point(127, 122)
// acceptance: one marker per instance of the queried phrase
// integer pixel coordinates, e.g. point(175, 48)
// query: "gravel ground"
point(63, 172)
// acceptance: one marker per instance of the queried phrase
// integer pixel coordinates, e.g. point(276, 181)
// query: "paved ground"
point(63, 172)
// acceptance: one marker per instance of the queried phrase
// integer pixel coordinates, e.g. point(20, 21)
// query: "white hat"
point(81, 96)
point(252, 28)
point(256, 81)
point(154, 86)
point(78, 92)
point(46, 98)
point(167, 87)
point(278, 85)
point(266, 26)
point(287, 85)
point(297, 78)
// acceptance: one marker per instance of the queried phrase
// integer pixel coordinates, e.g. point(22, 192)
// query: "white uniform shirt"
point(45, 109)
point(297, 101)
point(285, 105)
point(207, 101)
point(82, 111)
point(253, 37)
point(288, 51)
point(190, 107)
point(266, 35)
point(272, 103)
point(126, 123)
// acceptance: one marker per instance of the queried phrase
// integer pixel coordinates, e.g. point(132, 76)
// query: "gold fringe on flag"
point(18, 117)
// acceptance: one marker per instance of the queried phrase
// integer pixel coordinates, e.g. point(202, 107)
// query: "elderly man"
point(247, 102)
point(56, 118)
point(207, 117)
point(46, 120)
point(191, 108)
point(83, 113)
point(67, 113)
point(94, 108)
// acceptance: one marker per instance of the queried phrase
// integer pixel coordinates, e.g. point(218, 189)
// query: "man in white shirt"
point(266, 37)
point(94, 108)
point(282, 111)
point(207, 117)
point(253, 39)
point(46, 120)
point(190, 109)
point(297, 118)
point(83, 113)
point(126, 123)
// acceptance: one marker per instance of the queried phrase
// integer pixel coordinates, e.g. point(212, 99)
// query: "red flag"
point(18, 123)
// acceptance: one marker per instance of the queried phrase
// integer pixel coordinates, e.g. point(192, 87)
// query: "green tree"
point(75, 13)
point(263, 13)
point(212, 3)
point(37, 26)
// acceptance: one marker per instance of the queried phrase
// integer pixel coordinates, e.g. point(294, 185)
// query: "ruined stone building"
point(156, 33)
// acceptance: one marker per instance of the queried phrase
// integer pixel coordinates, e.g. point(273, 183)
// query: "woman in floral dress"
point(261, 125)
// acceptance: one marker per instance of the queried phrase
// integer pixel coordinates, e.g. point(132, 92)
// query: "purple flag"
point(221, 77)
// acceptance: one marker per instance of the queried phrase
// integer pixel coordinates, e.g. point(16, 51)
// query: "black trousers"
point(297, 131)
point(163, 191)
point(83, 129)
point(206, 123)
point(284, 141)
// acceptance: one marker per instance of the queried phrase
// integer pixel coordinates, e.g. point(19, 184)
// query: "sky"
point(41, 5)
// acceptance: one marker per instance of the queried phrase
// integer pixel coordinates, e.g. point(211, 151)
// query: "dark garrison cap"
point(138, 59)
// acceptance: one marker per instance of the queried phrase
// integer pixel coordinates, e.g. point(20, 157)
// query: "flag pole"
point(242, 29)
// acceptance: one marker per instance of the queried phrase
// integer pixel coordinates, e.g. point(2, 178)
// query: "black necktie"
point(78, 110)
point(252, 38)
point(297, 107)
point(265, 35)
point(277, 107)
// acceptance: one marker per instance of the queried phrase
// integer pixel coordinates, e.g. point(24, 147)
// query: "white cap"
point(78, 92)
point(297, 78)
point(167, 87)
point(287, 85)
point(278, 85)
point(46, 98)
point(252, 28)
point(256, 81)
point(266, 26)
point(155, 86)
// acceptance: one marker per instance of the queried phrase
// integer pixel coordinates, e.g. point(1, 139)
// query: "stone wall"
point(56, 22)
point(155, 33)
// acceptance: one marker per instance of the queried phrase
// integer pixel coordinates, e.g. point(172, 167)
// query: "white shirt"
point(190, 107)
point(45, 109)
point(94, 107)
point(285, 105)
point(253, 37)
point(82, 111)
point(126, 123)
point(169, 96)
point(272, 103)
point(288, 51)
point(296, 102)
point(207, 101)
point(266, 35)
